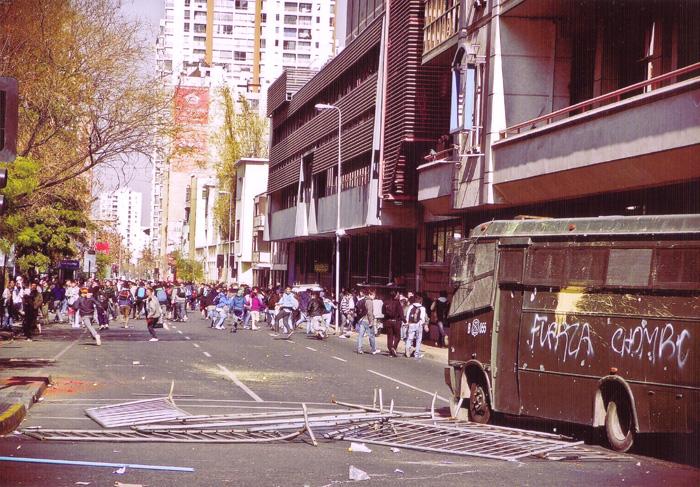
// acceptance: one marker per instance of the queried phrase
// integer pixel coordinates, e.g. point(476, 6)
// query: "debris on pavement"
point(357, 474)
point(120, 471)
point(359, 448)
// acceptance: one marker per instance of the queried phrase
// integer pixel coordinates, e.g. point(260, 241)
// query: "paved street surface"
point(217, 372)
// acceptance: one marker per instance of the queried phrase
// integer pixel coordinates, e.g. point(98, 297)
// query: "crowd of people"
point(94, 305)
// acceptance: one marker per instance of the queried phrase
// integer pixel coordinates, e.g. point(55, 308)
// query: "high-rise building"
point(251, 41)
point(123, 209)
point(207, 44)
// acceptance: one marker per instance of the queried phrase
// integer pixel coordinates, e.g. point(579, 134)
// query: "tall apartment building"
point(123, 208)
point(206, 44)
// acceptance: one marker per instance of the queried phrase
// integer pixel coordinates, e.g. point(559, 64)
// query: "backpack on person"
point(217, 299)
point(360, 308)
point(414, 315)
point(161, 296)
point(141, 292)
point(124, 298)
point(181, 292)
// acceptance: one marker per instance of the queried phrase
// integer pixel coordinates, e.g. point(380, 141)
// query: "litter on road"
point(357, 474)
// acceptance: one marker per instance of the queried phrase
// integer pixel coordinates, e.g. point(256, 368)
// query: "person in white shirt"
point(416, 318)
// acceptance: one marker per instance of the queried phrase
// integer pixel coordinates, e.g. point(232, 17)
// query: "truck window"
point(629, 267)
point(545, 266)
point(587, 266)
point(677, 268)
point(473, 272)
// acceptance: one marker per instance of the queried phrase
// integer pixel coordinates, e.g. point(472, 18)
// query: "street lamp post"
point(338, 231)
point(228, 256)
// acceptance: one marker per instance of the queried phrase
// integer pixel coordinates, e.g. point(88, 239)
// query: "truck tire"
point(619, 423)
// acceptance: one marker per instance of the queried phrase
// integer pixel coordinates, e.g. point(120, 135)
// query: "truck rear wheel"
point(479, 404)
point(619, 423)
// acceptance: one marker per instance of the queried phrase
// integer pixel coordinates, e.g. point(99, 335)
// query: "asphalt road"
point(219, 372)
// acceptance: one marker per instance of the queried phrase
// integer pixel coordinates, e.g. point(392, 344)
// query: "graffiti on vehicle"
point(573, 339)
point(476, 327)
point(658, 342)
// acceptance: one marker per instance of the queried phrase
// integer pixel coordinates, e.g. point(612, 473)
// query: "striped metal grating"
point(137, 412)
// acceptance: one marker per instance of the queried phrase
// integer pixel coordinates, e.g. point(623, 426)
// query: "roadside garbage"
point(398, 470)
point(120, 471)
point(357, 474)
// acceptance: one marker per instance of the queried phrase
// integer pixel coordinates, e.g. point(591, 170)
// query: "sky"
point(140, 176)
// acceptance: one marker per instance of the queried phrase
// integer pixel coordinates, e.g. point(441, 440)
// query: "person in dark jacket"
point(393, 319)
point(87, 306)
point(58, 295)
point(32, 303)
point(103, 310)
point(315, 310)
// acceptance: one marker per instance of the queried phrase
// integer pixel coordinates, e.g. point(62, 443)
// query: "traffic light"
point(9, 102)
point(3, 183)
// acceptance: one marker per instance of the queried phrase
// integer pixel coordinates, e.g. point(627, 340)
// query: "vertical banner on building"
point(192, 117)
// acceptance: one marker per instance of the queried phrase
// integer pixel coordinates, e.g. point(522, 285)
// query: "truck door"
point(509, 300)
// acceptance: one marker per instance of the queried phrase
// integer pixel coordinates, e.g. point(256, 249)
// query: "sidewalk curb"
point(11, 415)
point(17, 397)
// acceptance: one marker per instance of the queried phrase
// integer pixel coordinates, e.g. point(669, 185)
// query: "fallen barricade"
point(160, 420)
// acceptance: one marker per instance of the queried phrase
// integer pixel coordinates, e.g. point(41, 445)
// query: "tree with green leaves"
point(242, 134)
point(187, 270)
point(51, 231)
point(86, 103)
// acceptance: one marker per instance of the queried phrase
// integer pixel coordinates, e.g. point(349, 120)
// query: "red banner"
point(102, 247)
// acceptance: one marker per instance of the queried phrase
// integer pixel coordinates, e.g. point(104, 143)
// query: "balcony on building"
point(442, 26)
point(597, 97)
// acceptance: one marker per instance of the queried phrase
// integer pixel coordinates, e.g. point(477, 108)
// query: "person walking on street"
point(220, 312)
point(8, 311)
point(441, 306)
point(315, 310)
point(393, 320)
point(347, 315)
point(58, 296)
point(256, 306)
point(367, 323)
point(86, 307)
point(153, 313)
point(32, 303)
point(125, 299)
point(287, 304)
point(416, 318)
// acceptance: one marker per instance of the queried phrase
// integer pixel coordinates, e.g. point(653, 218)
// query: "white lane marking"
point(408, 385)
point(312, 349)
point(196, 346)
point(69, 346)
point(240, 384)
point(207, 354)
point(187, 338)
point(338, 358)
point(179, 332)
